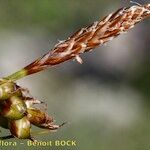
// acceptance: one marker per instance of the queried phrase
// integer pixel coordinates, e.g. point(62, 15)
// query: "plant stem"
point(17, 75)
point(6, 137)
point(33, 133)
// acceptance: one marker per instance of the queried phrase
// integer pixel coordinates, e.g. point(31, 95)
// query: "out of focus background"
point(106, 100)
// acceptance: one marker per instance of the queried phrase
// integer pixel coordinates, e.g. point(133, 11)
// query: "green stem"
point(32, 133)
point(17, 75)
point(6, 137)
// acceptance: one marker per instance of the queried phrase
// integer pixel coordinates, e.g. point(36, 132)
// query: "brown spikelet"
point(89, 37)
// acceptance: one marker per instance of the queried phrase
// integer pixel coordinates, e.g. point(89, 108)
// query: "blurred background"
point(106, 99)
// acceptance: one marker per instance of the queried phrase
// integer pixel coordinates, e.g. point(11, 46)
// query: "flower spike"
point(88, 38)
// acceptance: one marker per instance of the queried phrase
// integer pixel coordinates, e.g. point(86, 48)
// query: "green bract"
point(6, 90)
point(20, 128)
point(13, 108)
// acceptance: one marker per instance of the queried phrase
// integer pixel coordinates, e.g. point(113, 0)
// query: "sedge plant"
point(17, 110)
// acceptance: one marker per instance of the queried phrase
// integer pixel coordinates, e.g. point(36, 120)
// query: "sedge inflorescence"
point(17, 111)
